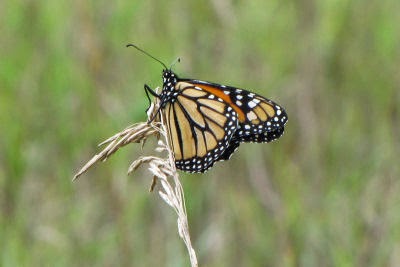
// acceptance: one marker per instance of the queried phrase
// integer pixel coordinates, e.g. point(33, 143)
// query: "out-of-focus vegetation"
point(326, 194)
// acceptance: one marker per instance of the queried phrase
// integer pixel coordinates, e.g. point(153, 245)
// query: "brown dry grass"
point(163, 169)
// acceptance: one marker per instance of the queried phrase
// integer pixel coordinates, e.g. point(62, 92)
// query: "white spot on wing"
point(251, 116)
point(252, 104)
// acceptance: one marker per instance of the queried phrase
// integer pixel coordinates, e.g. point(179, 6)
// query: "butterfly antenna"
point(144, 52)
point(175, 61)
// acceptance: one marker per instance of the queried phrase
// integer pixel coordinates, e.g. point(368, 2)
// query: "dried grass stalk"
point(163, 169)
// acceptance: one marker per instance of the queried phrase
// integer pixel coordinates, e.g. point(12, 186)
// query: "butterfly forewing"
point(257, 115)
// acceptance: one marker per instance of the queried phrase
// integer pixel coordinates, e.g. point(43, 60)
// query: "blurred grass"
point(326, 194)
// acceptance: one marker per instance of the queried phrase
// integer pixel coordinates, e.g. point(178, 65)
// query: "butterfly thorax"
point(168, 93)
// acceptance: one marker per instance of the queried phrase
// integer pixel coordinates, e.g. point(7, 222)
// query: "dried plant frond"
point(133, 134)
point(163, 169)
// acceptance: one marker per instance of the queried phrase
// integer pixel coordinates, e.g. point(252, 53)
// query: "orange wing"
point(256, 114)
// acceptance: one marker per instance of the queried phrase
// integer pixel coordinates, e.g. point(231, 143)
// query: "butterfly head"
point(168, 93)
point(169, 77)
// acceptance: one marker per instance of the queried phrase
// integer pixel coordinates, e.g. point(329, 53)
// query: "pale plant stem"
point(180, 206)
point(163, 169)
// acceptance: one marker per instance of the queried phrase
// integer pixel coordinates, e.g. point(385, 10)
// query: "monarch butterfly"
point(208, 121)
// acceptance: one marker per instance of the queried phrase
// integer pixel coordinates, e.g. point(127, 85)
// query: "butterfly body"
point(206, 121)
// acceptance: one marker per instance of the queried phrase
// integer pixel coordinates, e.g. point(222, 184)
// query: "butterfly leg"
point(149, 92)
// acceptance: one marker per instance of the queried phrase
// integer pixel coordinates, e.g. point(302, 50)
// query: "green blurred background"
point(326, 194)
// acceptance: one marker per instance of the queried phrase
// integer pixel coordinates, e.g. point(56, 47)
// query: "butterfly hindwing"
point(200, 127)
point(233, 146)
